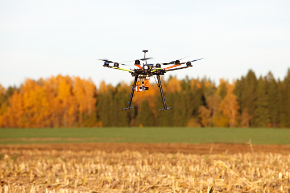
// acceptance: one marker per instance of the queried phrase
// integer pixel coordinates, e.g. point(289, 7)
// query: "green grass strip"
point(146, 135)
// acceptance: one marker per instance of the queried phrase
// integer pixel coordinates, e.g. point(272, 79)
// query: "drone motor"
point(106, 64)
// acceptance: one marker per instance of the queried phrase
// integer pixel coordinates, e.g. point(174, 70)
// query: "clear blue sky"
point(47, 38)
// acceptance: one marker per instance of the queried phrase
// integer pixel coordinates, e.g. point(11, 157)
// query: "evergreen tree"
point(282, 118)
point(145, 115)
point(193, 101)
point(165, 118)
point(120, 101)
point(245, 91)
point(222, 90)
point(180, 110)
point(105, 108)
point(262, 111)
point(287, 99)
point(272, 92)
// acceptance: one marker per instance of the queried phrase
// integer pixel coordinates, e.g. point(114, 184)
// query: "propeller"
point(145, 58)
point(140, 59)
point(175, 61)
point(106, 63)
point(127, 64)
point(106, 60)
point(178, 61)
point(196, 60)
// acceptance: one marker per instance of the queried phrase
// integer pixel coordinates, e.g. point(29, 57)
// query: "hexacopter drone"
point(144, 72)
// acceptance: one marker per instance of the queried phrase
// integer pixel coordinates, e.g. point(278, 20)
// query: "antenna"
point(145, 55)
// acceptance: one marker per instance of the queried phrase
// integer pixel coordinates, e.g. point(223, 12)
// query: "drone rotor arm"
point(173, 66)
point(124, 69)
point(156, 69)
point(168, 63)
point(177, 68)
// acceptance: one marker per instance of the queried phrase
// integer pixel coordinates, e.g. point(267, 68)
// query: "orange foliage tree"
point(229, 105)
point(55, 102)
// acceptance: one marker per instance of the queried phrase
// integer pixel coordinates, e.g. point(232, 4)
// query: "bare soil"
point(159, 147)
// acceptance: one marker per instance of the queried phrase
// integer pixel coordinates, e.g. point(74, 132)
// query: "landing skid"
point(166, 109)
point(127, 108)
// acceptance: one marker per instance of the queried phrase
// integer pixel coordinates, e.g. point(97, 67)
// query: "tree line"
point(64, 101)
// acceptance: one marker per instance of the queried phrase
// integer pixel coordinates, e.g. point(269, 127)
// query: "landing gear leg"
point(131, 95)
point(162, 94)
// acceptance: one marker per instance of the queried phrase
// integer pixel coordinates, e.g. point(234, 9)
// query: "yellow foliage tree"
point(229, 106)
point(68, 102)
point(3, 105)
point(205, 116)
point(36, 106)
point(245, 118)
point(15, 113)
point(173, 85)
point(51, 87)
point(85, 92)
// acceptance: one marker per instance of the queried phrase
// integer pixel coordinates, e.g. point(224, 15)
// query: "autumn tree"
point(3, 105)
point(15, 113)
point(51, 87)
point(245, 118)
point(205, 116)
point(85, 93)
point(229, 106)
point(36, 107)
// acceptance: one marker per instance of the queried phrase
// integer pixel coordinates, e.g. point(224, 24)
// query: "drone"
point(143, 73)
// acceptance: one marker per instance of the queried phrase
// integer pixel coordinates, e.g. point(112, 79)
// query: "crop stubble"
point(46, 168)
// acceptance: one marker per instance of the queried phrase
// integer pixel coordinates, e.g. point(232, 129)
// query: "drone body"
point(143, 73)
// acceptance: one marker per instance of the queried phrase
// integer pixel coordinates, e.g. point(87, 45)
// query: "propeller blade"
point(105, 60)
point(127, 64)
point(167, 63)
point(146, 58)
point(196, 60)
point(173, 62)
point(140, 59)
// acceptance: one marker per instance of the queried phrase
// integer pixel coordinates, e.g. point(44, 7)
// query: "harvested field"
point(93, 168)
point(216, 148)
